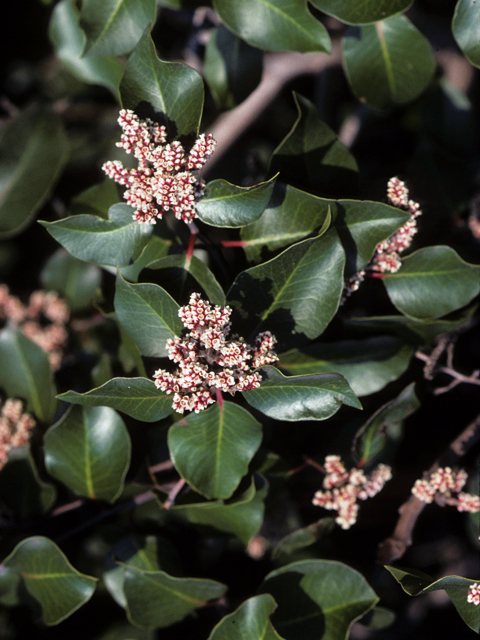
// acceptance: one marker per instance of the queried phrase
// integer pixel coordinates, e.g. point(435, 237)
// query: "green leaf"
point(190, 265)
point(212, 449)
point(370, 439)
point(354, 12)
point(318, 599)
point(389, 62)
point(368, 364)
point(75, 280)
point(432, 282)
point(294, 295)
point(304, 537)
point(69, 41)
point(465, 27)
point(157, 247)
point(149, 315)
point(251, 620)
point(232, 68)
point(315, 397)
point(50, 578)
point(9, 587)
point(113, 242)
point(114, 27)
point(88, 450)
point(33, 152)
point(26, 373)
point(96, 200)
point(278, 25)
point(241, 516)
point(21, 488)
point(226, 205)
point(157, 600)
point(129, 354)
point(137, 397)
point(311, 157)
point(173, 89)
point(415, 582)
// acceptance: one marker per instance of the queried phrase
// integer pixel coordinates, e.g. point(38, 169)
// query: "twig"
point(394, 547)
point(458, 378)
point(173, 494)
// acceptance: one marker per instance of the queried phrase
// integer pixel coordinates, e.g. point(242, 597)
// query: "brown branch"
point(394, 547)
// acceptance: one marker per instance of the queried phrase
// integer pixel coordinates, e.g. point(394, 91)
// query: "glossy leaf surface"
point(96, 200)
point(432, 282)
point(137, 397)
point(311, 157)
point(173, 89)
point(114, 27)
point(226, 205)
point(69, 41)
point(294, 295)
point(50, 578)
point(304, 537)
point(314, 397)
point(368, 364)
point(26, 373)
point(390, 62)
point(465, 27)
point(354, 12)
point(280, 25)
point(113, 242)
point(148, 314)
point(157, 247)
point(212, 449)
point(318, 599)
point(88, 450)
point(251, 620)
point(33, 151)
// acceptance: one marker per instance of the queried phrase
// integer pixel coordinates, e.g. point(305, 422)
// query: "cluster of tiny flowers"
point(343, 488)
point(165, 176)
point(387, 254)
point(15, 427)
point(207, 361)
point(43, 320)
point(445, 487)
point(473, 596)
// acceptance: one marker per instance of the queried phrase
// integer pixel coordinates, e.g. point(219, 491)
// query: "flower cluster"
point(445, 487)
point(474, 594)
point(343, 488)
point(15, 427)
point(207, 361)
point(43, 320)
point(387, 254)
point(165, 176)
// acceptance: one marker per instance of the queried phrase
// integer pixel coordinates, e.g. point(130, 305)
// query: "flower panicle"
point(15, 428)
point(208, 361)
point(165, 177)
point(444, 486)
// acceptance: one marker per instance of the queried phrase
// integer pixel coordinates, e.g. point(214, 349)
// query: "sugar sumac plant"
point(239, 347)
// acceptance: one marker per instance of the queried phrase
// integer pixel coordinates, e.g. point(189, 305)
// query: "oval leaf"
point(315, 397)
point(69, 40)
point(157, 600)
point(466, 27)
point(114, 242)
point(311, 157)
point(389, 62)
point(304, 537)
point(212, 449)
point(432, 282)
point(149, 315)
point(354, 12)
point(368, 364)
point(318, 599)
point(226, 205)
point(33, 151)
point(278, 25)
point(88, 450)
point(296, 294)
point(137, 397)
point(26, 373)
point(50, 578)
point(173, 89)
point(251, 620)
point(114, 27)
